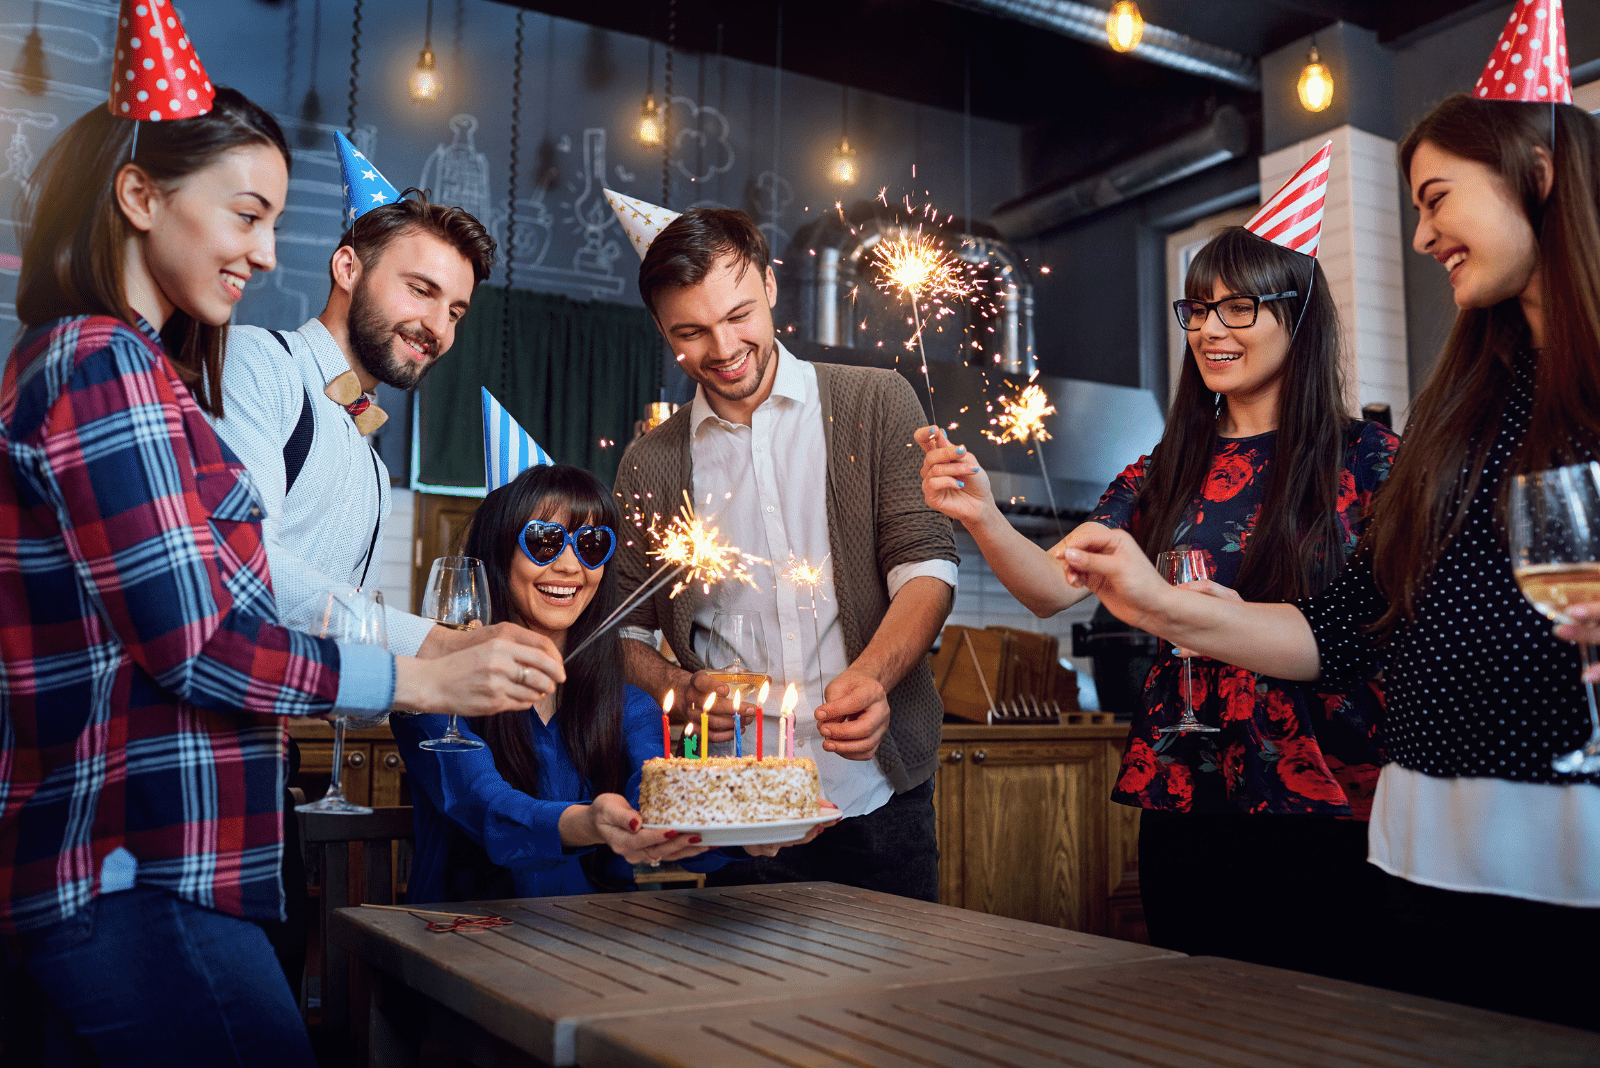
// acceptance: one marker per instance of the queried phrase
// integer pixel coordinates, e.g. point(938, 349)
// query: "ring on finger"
point(522, 675)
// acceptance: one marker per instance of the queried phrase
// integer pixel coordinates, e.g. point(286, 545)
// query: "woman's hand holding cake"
point(609, 820)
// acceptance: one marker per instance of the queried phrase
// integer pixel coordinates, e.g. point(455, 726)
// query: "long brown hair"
point(1294, 549)
point(589, 704)
point(75, 231)
point(1457, 414)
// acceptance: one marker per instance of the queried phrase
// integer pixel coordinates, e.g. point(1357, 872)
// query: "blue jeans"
point(142, 977)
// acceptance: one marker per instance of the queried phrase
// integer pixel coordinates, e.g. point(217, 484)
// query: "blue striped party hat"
point(508, 450)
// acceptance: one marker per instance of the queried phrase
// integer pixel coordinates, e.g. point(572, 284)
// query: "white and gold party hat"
point(640, 220)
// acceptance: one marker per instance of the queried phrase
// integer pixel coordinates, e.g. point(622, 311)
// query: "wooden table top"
point(1186, 1012)
point(569, 960)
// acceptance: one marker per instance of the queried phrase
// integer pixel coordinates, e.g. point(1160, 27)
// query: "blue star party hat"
point(508, 450)
point(364, 187)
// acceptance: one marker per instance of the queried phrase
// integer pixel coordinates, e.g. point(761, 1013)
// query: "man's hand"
point(692, 694)
point(499, 675)
point(442, 641)
point(854, 715)
point(771, 850)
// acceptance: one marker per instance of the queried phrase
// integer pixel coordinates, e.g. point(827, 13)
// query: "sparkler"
point(1021, 419)
point(801, 573)
point(917, 267)
point(692, 551)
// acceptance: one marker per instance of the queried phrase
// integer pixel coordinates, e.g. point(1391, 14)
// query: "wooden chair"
point(330, 841)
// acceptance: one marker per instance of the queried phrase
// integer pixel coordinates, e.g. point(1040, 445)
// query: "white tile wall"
point(394, 570)
point(1361, 251)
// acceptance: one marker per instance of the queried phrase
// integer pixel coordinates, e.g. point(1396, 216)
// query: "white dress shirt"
point(764, 486)
point(317, 537)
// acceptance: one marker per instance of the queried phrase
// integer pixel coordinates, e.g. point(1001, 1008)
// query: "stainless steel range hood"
point(1096, 431)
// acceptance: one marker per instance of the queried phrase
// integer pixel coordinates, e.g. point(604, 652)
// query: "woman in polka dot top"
point(1495, 855)
point(1252, 825)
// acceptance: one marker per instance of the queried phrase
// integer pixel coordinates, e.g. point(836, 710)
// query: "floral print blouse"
point(1283, 747)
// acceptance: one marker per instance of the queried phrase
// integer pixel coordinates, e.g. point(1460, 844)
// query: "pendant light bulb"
point(649, 132)
point(1124, 26)
point(425, 79)
point(1316, 84)
point(844, 170)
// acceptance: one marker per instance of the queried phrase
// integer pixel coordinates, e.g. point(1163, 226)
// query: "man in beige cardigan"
point(796, 462)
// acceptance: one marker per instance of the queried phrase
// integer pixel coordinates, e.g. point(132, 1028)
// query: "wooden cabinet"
point(439, 525)
point(374, 774)
point(1027, 830)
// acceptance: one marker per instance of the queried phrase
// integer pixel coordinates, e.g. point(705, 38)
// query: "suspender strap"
point(298, 447)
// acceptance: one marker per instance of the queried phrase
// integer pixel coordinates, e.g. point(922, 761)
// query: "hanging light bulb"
point(425, 80)
point(1125, 26)
point(844, 170)
point(649, 132)
point(1316, 84)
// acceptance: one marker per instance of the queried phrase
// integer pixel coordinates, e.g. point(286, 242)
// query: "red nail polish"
point(633, 825)
point(695, 840)
point(671, 834)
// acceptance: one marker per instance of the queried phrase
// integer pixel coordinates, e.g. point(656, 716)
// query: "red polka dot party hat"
point(1529, 61)
point(156, 74)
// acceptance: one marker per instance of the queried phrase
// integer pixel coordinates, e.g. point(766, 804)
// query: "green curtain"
point(579, 373)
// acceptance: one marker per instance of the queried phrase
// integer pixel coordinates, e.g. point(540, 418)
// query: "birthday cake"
point(692, 793)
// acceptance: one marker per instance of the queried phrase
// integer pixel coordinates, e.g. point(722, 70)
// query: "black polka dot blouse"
point(1477, 685)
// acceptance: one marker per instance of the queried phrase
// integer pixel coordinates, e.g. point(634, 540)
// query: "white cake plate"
point(744, 834)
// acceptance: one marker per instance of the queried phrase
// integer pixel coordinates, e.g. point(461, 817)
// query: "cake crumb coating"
point(685, 792)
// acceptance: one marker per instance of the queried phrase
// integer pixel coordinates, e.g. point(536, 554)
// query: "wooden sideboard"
point(374, 774)
point(1027, 828)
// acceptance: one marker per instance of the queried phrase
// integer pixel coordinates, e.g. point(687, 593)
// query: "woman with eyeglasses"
point(549, 807)
point(1253, 831)
point(1493, 841)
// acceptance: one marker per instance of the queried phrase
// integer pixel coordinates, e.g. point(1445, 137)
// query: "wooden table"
point(1193, 1012)
point(518, 994)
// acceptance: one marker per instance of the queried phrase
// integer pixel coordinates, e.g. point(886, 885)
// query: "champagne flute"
point(1180, 564)
point(1555, 555)
point(457, 596)
point(736, 655)
point(347, 616)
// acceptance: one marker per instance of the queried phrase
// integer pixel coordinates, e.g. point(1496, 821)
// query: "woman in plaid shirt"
point(144, 679)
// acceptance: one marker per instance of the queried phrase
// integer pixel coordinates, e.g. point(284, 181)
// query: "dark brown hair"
point(74, 231)
point(1295, 547)
point(694, 243)
point(589, 704)
point(1455, 417)
point(414, 213)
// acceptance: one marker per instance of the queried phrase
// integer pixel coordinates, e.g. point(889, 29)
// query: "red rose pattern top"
point(1284, 747)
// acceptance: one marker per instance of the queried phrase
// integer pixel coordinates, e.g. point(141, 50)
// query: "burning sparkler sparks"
point(692, 551)
point(1021, 419)
point(916, 268)
point(801, 573)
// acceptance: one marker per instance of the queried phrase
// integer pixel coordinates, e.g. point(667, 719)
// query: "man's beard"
point(372, 343)
point(738, 391)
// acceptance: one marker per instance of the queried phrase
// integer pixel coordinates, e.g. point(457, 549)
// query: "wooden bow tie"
point(345, 390)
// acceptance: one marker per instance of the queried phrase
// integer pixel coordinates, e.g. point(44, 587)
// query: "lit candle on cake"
point(761, 716)
point(705, 725)
point(666, 725)
point(791, 697)
point(738, 725)
point(688, 741)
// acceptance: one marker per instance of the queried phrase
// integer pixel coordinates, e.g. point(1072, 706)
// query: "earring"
point(1218, 412)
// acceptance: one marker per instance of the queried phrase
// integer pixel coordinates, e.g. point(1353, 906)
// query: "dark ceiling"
point(918, 49)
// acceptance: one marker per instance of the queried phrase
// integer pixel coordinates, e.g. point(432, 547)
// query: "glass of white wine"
point(456, 596)
point(347, 616)
point(1180, 564)
point(1555, 554)
point(736, 654)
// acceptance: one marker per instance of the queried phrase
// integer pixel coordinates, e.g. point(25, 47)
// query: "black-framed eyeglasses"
point(1236, 312)
point(542, 542)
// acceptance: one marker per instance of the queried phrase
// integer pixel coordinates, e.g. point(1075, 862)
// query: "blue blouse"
point(462, 793)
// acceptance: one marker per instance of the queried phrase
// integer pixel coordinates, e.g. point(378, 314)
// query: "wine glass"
point(1555, 554)
point(457, 596)
point(1180, 564)
point(347, 616)
point(736, 654)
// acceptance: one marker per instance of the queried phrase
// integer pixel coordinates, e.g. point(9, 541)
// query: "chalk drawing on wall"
point(20, 156)
point(593, 220)
point(701, 151)
point(460, 175)
point(625, 175)
point(768, 195)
